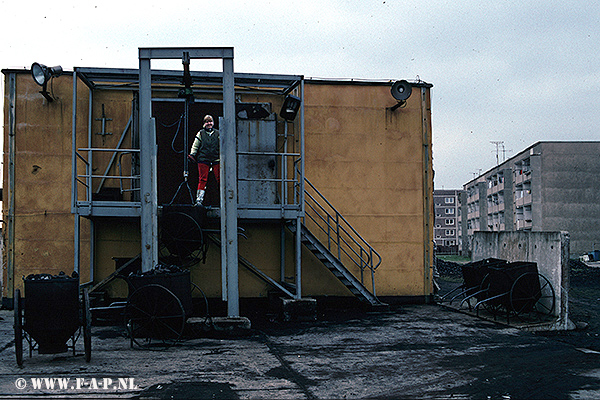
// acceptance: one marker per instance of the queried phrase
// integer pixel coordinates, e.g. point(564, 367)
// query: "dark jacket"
point(206, 147)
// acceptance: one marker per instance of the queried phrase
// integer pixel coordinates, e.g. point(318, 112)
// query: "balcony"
point(473, 198)
point(497, 187)
point(523, 224)
point(518, 177)
point(472, 215)
point(519, 202)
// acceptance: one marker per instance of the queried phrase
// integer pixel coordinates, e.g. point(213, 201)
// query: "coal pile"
point(49, 277)
point(582, 274)
point(448, 268)
point(161, 269)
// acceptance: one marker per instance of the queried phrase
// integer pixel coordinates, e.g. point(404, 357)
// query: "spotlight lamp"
point(42, 74)
point(401, 91)
point(290, 107)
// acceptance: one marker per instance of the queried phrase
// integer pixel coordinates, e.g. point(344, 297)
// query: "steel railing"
point(336, 233)
point(87, 179)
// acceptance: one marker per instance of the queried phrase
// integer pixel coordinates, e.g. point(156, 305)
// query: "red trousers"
point(203, 170)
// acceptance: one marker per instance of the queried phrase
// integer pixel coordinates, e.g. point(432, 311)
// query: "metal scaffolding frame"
point(144, 206)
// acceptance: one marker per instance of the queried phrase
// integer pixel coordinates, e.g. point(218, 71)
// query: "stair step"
point(334, 265)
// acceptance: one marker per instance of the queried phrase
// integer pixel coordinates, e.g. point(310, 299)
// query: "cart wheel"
point(154, 313)
point(197, 329)
point(532, 292)
point(493, 306)
point(181, 240)
point(87, 326)
point(195, 290)
point(18, 326)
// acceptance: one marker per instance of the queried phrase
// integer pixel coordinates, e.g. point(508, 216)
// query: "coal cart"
point(502, 288)
point(51, 316)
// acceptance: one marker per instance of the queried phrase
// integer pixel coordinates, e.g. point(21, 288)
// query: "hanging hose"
point(188, 94)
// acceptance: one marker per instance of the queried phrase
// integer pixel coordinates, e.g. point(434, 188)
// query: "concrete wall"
point(565, 191)
point(570, 193)
point(550, 250)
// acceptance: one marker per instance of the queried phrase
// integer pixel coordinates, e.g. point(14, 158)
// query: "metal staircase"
point(338, 245)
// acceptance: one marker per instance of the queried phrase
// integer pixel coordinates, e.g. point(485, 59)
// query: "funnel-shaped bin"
point(51, 310)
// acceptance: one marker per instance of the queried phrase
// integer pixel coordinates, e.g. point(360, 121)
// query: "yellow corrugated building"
point(368, 155)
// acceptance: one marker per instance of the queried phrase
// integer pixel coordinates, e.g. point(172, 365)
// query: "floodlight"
point(401, 91)
point(42, 74)
point(290, 107)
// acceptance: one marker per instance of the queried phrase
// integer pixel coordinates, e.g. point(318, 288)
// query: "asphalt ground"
point(410, 352)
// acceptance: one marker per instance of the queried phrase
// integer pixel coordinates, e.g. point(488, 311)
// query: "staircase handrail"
point(344, 235)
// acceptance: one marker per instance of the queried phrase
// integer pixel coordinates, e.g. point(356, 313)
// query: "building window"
point(449, 200)
point(449, 222)
point(449, 210)
point(449, 232)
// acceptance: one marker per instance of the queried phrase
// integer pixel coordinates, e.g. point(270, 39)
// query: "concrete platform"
point(223, 326)
point(304, 309)
point(423, 351)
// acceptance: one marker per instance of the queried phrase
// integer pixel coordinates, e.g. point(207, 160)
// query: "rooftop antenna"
point(504, 151)
point(497, 143)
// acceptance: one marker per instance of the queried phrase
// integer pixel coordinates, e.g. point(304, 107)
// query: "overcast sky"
point(512, 71)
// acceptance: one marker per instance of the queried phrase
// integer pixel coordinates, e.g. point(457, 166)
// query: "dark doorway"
point(172, 154)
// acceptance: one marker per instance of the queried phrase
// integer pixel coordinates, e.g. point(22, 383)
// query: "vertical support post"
point(229, 212)
point(282, 251)
point(92, 249)
point(89, 167)
point(427, 197)
point(149, 223)
point(74, 146)
point(77, 247)
point(76, 231)
point(186, 114)
point(284, 173)
point(298, 271)
point(284, 201)
point(10, 223)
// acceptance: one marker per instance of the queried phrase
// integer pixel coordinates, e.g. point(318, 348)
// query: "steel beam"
point(229, 252)
point(229, 212)
point(149, 222)
point(176, 53)
point(9, 191)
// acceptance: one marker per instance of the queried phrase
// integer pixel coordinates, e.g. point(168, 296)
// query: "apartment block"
point(549, 186)
point(448, 225)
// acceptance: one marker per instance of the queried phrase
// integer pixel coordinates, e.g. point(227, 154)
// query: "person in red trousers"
point(205, 151)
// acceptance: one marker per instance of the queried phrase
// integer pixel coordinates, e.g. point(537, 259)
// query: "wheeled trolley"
point(518, 289)
point(52, 316)
point(160, 301)
point(512, 289)
point(159, 304)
